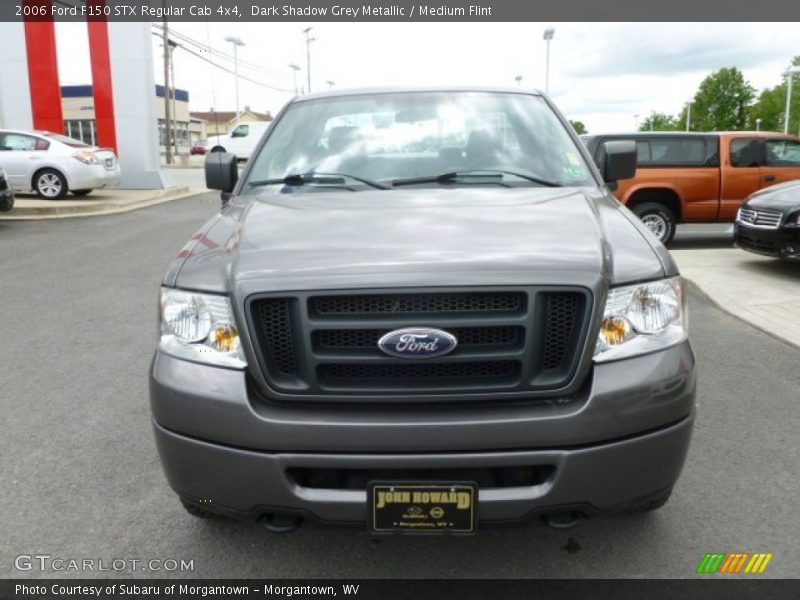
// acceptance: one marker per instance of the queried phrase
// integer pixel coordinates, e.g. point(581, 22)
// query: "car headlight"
point(642, 318)
point(200, 327)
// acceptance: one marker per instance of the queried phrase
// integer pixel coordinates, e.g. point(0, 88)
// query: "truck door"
point(782, 161)
point(742, 157)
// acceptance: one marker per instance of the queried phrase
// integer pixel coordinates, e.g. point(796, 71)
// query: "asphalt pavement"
point(80, 478)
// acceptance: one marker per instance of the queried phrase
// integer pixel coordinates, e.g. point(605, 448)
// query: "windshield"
point(399, 138)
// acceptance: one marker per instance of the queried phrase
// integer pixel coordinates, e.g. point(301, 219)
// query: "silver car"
point(52, 165)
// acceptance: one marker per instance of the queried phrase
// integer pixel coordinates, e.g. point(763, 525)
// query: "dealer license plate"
point(422, 507)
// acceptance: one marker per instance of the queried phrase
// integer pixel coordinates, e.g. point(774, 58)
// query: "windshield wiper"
point(483, 174)
point(297, 179)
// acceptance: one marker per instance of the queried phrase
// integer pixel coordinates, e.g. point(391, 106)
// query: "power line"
point(207, 48)
point(227, 70)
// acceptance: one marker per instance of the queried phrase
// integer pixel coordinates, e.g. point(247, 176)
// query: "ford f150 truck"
point(700, 177)
point(420, 311)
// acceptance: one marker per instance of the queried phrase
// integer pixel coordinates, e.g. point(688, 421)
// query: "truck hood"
point(421, 236)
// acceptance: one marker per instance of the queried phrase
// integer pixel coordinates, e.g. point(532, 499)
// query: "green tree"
point(659, 122)
point(771, 106)
point(578, 126)
point(721, 103)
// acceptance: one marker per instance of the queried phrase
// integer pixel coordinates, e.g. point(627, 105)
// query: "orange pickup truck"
point(699, 177)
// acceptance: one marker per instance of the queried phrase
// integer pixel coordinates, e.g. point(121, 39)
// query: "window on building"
point(83, 130)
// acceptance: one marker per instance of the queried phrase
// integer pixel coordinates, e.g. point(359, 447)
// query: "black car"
point(769, 222)
point(6, 193)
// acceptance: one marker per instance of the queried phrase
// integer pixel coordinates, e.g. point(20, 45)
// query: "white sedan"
point(52, 165)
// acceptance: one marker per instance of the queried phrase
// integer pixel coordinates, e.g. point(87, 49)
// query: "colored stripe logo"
point(734, 563)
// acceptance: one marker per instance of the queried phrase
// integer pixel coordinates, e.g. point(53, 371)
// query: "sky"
point(602, 74)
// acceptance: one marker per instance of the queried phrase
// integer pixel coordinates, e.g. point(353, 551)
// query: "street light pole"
point(688, 116)
point(236, 43)
point(548, 36)
point(295, 68)
point(789, 73)
point(309, 39)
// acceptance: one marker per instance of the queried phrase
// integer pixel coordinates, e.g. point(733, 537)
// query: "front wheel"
point(50, 184)
point(658, 219)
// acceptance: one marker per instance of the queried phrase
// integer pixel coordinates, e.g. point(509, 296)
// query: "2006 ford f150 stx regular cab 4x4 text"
point(418, 311)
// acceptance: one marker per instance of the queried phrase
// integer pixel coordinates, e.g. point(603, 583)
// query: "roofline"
point(415, 89)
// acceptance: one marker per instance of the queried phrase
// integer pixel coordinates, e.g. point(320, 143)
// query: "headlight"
point(200, 327)
point(86, 157)
point(642, 318)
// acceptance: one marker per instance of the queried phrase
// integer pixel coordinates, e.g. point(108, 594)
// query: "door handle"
point(769, 177)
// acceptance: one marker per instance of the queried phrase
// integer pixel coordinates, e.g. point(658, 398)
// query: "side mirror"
point(620, 160)
point(222, 172)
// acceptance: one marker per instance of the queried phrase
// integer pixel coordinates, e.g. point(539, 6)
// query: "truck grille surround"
point(316, 344)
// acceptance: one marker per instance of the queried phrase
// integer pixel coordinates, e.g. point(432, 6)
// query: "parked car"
point(241, 141)
point(200, 148)
point(53, 165)
point(417, 310)
point(700, 177)
point(6, 193)
point(769, 222)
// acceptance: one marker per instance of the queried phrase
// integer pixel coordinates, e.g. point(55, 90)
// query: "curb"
point(110, 207)
point(693, 287)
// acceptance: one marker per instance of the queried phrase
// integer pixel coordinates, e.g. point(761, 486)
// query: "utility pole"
point(688, 116)
point(295, 68)
point(172, 46)
point(236, 43)
point(790, 73)
point(167, 138)
point(309, 39)
point(547, 37)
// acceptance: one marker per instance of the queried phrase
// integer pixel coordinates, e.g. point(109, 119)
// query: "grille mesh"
point(418, 303)
point(276, 329)
point(561, 316)
point(407, 373)
point(330, 339)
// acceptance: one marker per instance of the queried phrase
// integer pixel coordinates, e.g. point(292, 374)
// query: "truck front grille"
point(326, 345)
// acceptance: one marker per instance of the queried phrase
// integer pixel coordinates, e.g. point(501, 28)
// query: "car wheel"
point(217, 149)
point(7, 203)
point(82, 192)
point(658, 219)
point(50, 184)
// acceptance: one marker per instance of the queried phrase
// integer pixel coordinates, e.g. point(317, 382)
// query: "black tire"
point(658, 219)
point(7, 203)
point(82, 192)
point(217, 149)
point(197, 511)
point(50, 184)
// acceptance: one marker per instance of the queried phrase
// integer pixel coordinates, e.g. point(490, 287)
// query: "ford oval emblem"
point(417, 342)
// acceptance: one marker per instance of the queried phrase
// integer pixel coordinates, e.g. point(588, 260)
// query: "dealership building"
point(80, 122)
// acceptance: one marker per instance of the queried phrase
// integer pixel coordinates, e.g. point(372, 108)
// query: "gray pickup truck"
point(419, 311)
